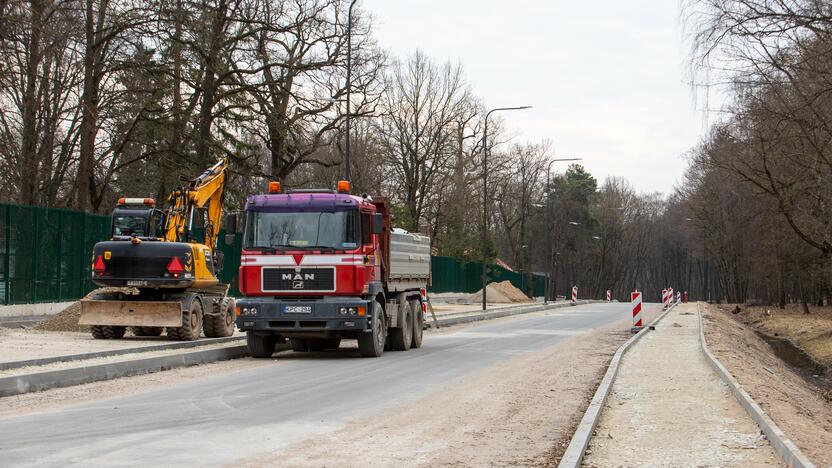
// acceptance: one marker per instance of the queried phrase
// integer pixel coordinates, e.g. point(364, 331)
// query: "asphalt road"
point(220, 419)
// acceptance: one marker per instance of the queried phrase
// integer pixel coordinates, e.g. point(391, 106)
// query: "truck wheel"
point(107, 332)
point(221, 322)
point(332, 343)
point(418, 322)
point(316, 345)
point(146, 331)
point(371, 344)
point(299, 345)
point(260, 346)
point(191, 324)
point(401, 337)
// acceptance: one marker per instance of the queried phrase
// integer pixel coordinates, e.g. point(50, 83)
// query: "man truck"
point(319, 266)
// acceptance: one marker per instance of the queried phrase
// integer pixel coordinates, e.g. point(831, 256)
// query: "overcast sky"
point(606, 77)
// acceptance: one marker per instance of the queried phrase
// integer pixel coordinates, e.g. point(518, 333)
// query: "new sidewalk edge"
point(784, 447)
point(574, 453)
point(19, 384)
point(118, 352)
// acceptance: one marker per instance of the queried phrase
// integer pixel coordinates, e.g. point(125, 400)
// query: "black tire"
point(418, 323)
point(371, 344)
point(107, 332)
point(221, 322)
point(146, 331)
point(260, 346)
point(401, 336)
point(191, 324)
point(299, 345)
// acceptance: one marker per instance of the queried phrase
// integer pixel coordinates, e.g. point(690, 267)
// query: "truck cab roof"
point(306, 201)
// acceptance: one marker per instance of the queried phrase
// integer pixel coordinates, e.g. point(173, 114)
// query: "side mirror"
point(377, 223)
point(230, 222)
point(230, 239)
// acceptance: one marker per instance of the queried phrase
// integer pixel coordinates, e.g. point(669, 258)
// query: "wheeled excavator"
point(160, 267)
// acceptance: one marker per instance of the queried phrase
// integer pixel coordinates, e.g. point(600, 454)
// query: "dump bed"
point(409, 261)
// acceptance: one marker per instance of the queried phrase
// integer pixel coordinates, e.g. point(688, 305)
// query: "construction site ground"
point(668, 407)
point(520, 410)
point(799, 403)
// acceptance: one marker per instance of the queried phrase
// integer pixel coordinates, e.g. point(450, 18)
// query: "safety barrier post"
point(574, 295)
point(635, 300)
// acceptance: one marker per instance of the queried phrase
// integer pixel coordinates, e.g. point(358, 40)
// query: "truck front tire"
point(260, 346)
point(371, 344)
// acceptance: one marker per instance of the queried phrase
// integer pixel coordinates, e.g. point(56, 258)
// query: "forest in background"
point(107, 98)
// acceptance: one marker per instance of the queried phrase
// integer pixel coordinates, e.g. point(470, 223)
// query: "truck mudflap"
point(131, 313)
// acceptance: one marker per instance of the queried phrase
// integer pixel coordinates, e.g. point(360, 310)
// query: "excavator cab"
point(137, 217)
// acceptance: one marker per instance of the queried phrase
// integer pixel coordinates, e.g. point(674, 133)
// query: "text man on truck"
point(321, 265)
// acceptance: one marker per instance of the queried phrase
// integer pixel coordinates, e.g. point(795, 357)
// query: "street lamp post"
point(485, 197)
point(549, 223)
point(349, 87)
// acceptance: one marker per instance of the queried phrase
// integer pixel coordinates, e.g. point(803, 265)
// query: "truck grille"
point(304, 279)
point(137, 267)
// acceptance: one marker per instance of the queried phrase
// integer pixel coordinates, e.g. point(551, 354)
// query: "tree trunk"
point(28, 153)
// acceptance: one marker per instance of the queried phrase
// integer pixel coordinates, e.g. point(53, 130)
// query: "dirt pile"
point(501, 293)
point(67, 319)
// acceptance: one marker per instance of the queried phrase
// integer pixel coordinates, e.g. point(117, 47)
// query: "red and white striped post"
point(609, 295)
point(574, 295)
point(635, 300)
point(669, 297)
point(664, 299)
point(423, 293)
point(679, 297)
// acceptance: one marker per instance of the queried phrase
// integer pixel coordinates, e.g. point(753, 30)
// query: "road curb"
point(19, 384)
point(784, 447)
point(574, 453)
point(507, 312)
point(119, 352)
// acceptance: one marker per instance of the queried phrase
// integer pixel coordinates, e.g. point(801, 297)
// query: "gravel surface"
point(802, 410)
point(667, 407)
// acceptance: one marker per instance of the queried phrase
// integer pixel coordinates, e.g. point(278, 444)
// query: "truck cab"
point(315, 269)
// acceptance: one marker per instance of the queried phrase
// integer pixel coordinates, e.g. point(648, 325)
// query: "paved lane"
point(221, 419)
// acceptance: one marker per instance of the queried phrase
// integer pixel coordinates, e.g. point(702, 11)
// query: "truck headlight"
point(342, 310)
point(352, 310)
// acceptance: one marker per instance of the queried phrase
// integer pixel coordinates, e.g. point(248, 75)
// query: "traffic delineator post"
point(609, 295)
point(664, 299)
point(574, 295)
point(635, 300)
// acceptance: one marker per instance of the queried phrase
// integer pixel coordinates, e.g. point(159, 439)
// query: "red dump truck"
point(319, 266)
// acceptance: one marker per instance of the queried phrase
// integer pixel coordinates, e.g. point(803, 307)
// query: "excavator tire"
point(107, 332)
point(221, 323)
point(191, 324)
point(146, 331)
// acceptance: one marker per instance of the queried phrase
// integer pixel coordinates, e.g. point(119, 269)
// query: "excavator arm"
point(205, 191)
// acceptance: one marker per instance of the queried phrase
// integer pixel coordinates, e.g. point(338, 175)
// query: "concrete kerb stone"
point(118, 352)
point(504, 312)
point(574, 453)
point(784, 447)
point(19, 384)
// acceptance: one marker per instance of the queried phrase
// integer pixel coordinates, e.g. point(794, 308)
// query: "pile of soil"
point(501, 293)
point(67, 319)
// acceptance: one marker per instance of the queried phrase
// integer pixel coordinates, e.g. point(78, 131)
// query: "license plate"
point(297, 309)
point(136, 283)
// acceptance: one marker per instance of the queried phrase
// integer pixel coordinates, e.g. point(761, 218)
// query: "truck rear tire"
point(260, 346)
point(147, 331)
point(402, 336)
point(191, 324)
point(371, 344)
point(107, 332)
point(418, 323)
point(221, 322)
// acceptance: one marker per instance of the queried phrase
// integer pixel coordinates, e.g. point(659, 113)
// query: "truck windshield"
point(128, 226)
point(301, 230)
